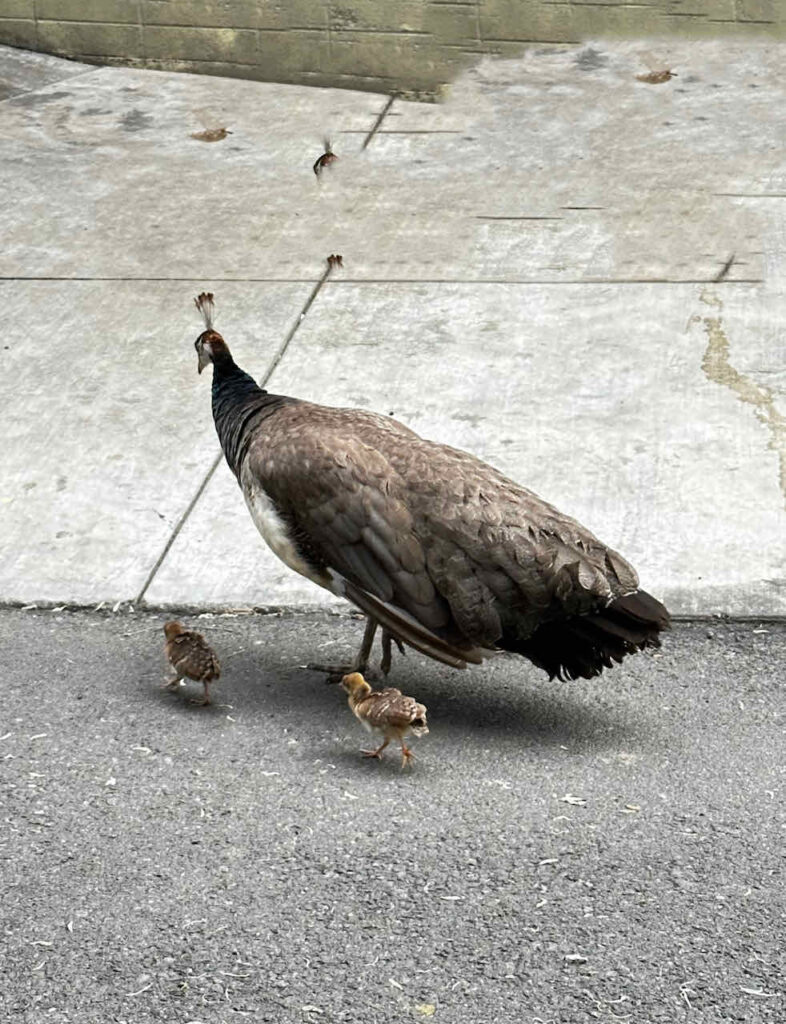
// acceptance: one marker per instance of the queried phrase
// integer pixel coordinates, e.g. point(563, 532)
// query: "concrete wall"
point(406, 46)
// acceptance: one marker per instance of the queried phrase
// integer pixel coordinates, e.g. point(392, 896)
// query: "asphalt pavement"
point(559, 852)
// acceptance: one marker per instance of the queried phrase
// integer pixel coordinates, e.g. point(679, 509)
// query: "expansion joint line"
point(216, 462)
point(378, 123)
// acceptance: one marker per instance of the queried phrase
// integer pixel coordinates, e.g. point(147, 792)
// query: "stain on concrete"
point(717, 367)
point(590, 59)
point(465, 417)
point(136, 121)
point(94, 111)
point(38, 99)
point(343, 18)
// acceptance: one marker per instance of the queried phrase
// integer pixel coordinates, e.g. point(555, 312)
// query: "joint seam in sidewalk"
point(162, 280)
point(525, 281)
point(50, 85)
point(333, 611)
point(216, 462)
point(375, 127)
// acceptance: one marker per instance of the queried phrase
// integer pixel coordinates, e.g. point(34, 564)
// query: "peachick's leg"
point(407, 755)
point(205, 699)
point(377, 752)
point(359, 663)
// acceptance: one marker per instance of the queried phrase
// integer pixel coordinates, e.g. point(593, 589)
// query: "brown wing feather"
point(505, 560)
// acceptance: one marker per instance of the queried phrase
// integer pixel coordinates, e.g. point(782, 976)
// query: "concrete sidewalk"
point(575, 274)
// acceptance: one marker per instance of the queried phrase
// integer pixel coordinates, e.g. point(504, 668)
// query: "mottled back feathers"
point(190, 654)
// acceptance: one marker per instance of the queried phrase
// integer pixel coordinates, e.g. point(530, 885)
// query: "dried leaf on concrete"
point(656, 77)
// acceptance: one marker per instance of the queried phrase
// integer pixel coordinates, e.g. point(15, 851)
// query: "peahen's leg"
point(387, 652)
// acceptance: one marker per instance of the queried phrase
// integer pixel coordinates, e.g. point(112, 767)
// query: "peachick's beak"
point(204, 359)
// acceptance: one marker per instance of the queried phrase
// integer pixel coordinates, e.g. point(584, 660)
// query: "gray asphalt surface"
point(165, 862)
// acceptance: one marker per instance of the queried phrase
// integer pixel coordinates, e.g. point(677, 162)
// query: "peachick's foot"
point(407, 756)
point(376, 753)
point(204, 699)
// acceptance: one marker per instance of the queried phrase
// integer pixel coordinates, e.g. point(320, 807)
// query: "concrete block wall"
point(410, 47)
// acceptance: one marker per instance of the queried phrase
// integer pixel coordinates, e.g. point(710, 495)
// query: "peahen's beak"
point(203, 358)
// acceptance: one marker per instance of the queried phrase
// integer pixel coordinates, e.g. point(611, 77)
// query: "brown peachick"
point(190, 656)
point(387, 712)
point(441, 550)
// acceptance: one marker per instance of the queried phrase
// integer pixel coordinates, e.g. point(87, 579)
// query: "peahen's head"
point(210, 346)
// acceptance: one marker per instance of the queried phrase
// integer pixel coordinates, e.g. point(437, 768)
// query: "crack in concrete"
point(717, 367)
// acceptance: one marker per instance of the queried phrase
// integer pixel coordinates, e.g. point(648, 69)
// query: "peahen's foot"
point(335, 673)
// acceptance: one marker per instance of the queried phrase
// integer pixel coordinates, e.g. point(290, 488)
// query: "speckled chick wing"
point(190, 655)
point(390, 712)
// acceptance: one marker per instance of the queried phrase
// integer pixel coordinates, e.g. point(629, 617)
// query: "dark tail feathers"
point(581, 647)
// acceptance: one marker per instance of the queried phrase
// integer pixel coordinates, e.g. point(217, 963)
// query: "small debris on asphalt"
point(130, 995)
